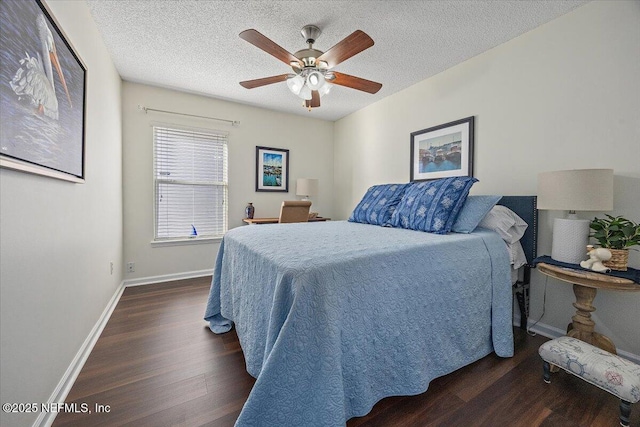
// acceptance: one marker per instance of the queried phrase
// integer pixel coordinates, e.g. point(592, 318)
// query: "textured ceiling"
point(194, 46)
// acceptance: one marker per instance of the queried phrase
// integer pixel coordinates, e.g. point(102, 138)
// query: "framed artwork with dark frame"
point(42, 94)
point(272, 169)
point(442, 151)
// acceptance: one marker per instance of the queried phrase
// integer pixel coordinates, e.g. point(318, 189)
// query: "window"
point(190, 170)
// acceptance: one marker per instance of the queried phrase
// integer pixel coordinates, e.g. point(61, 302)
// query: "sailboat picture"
point(42, 94)
point(272, 169)
point(442, 151)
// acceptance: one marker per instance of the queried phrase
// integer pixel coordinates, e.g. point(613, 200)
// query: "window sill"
point(185, 242)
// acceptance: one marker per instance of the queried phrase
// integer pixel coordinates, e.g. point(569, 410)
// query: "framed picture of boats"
point(442, 151)
point(42, 94)
point(272, 169)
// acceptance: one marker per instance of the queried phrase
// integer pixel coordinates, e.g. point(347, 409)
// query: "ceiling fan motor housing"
point(308, 58)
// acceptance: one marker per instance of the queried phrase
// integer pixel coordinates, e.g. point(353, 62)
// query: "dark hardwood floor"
point(157, 364)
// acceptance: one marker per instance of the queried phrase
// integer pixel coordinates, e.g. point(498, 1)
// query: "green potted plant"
point(617, 234)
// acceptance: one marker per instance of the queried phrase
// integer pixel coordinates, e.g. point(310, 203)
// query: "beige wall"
point(310, 145)
point(563, 96)
point(58, 238)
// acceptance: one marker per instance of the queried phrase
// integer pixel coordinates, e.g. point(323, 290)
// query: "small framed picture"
point(272, 169)
point(442, 151)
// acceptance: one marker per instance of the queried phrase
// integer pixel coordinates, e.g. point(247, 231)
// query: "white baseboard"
point(553, 332)
point(59, 395)
point(167, 278)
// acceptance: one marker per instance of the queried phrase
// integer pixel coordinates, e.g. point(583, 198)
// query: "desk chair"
point(294, 211)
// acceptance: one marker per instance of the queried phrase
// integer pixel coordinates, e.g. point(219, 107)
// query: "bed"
point(334, 316)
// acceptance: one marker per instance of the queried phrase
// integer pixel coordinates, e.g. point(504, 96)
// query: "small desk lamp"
point(574, 190)
point(306, 187)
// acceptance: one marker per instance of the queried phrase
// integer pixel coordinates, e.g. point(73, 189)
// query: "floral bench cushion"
point(611, 373)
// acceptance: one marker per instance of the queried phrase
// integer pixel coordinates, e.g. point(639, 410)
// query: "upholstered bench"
point(611, 373)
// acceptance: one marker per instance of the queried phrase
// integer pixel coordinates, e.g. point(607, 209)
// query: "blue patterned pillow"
point(472, 212)
point(378, 204)
point(432, 206)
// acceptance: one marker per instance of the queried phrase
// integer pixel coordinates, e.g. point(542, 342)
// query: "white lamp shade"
point(324, 89)
point(306, 187)
point(305, 93)
point(315, 80)
point(576, 190)
point(295, 84)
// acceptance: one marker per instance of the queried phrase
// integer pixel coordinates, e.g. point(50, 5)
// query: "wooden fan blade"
point(250, 84)
point(356, 82)
point(269, 46)
point(353, 44)
point(315, 100)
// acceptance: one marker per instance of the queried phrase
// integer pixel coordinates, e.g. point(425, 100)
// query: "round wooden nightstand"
point(585, 287)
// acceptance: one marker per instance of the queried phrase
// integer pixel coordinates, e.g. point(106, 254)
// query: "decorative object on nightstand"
point(596, 258)
point(249, 211)
point(574, 190)
point(617, 234)
point(306, 187)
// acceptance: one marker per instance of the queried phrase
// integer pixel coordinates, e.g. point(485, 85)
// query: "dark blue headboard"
point(526, 208)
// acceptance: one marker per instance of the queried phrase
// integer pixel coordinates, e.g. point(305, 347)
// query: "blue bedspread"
point(334, 316)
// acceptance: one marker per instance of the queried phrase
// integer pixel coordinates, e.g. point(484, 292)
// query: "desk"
point(255, 221)
point(585, 287)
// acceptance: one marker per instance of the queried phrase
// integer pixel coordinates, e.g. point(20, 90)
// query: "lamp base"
point(570, 240)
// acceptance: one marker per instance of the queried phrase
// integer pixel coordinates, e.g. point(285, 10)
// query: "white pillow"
point(516, 255)
point(505, 222)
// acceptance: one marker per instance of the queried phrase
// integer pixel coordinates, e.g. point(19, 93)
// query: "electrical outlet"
point(111, 267)
point(131, 267)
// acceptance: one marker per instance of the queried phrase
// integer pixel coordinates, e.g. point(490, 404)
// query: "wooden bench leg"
point(625, 413)
point(547, 373)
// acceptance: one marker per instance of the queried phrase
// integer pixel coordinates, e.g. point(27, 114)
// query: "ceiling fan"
point(312, 76)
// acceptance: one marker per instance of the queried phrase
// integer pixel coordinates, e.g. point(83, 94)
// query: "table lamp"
point(306, 187)
point(574, 190)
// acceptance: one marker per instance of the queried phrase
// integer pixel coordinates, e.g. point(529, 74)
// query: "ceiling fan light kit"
point(311, 76)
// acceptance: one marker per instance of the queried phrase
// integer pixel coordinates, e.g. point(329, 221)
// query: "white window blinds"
point(190, 168)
